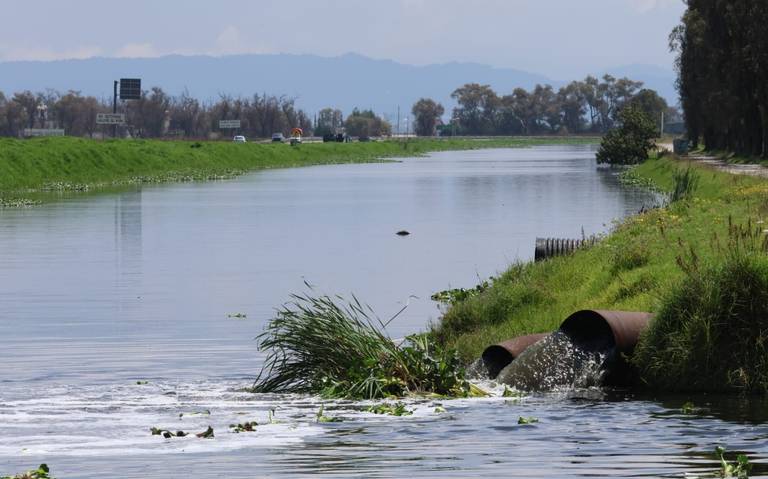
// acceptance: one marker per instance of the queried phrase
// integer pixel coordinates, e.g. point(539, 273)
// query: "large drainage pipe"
point(614, 332)
point(551, 247)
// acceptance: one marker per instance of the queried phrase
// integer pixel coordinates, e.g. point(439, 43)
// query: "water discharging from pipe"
point(556, 362)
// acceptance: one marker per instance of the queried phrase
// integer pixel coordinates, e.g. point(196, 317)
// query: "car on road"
point(239, 139)
point(278, 137)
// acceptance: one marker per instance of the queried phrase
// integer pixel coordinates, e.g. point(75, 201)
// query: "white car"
point(239, 139)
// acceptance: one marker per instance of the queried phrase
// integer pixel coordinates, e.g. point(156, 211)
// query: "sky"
point(562, 39)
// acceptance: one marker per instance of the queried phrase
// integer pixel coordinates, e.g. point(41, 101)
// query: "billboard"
point(110, 119)
point(229, 124)
point(130, 88)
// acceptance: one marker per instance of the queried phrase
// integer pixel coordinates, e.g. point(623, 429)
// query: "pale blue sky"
point(559, 38)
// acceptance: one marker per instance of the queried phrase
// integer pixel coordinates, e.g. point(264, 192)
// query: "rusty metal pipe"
point(613, 332)
point(498, 356)
point(611, 329)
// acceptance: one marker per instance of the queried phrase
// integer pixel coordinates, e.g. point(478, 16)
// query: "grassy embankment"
point(41, 169)
point(677, 261)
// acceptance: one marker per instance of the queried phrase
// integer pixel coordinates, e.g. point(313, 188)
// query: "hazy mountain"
point(316, 82)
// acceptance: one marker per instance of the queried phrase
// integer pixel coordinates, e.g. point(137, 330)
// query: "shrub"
point(630, 143)
point(340, 349)
point(711, 333)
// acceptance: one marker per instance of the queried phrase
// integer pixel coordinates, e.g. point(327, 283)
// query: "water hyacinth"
point(337, 348)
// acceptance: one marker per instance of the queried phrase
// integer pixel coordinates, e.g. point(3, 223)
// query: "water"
point(98, 292)
point(553, 363)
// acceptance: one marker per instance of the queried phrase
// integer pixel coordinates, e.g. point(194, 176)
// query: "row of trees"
point(588, 106)
point(155, 115)
point(722, 63)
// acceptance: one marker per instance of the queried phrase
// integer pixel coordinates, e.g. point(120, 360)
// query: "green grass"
point(31, 169)
point(631, 269)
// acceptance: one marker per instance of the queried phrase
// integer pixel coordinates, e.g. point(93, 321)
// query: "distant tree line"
point(722, 63)
point(157, 114)
point(360, 123)
point(589, 106)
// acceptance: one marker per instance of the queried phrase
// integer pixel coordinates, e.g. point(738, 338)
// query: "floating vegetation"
point(527, 420)
point(320, 417)
point(440, 410)
point(740, 468)
point(452, 296)
point(244, 427)
point(688, 408)
point(630, 177)
point(327, 346)
point(511, 393)
point(391, 409)
point(17, 202)
point(42, 472)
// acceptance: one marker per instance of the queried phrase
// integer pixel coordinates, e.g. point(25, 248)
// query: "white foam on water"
point(115, 420)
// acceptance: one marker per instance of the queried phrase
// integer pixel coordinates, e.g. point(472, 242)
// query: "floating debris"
point(237, 315)
point(207, 434)
point(403, 233)
point(527, 420)
point(244, 427)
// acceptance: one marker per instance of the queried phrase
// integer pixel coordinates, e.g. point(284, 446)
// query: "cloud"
point(45, 54)
point(645, 6)
point(137, 50)
point(231, 42)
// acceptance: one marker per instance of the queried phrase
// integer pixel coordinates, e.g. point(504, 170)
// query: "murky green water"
point(99, 292)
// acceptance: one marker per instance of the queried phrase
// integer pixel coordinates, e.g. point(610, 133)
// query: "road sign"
point(110, 119)
point(43, 132)
point(130, 88)
point(229, 124)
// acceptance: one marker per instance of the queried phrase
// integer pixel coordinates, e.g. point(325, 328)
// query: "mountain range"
point(316, 82)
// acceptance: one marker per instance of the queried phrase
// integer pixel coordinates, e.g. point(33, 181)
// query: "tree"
point(329, 122)
point(722, 63)
point(651, 104)
point(427, 113)
point(366, 123)
point(477, 109)
point(630, 142)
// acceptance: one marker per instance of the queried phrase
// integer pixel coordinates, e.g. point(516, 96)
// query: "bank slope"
point(630, 269)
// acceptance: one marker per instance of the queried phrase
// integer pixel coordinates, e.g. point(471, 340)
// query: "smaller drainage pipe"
point(498, 356)
point(551, 247)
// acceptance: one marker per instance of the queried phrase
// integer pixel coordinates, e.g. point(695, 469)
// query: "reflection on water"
point(99, 292)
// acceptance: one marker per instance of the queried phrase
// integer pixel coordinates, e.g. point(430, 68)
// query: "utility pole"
point(398, 121)
point(662, 125)
point(114, 109)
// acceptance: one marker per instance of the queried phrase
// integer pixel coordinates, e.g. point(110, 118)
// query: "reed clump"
point(711, 331)
point(337, 348)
